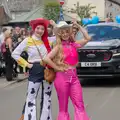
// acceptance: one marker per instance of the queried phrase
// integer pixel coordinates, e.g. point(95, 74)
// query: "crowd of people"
point(56, 45)
point(9, 40)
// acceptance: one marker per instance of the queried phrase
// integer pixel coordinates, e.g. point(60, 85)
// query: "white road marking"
point(108, 98)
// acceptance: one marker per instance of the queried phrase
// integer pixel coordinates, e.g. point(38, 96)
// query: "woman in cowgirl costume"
point(36, 73)
point(64, 59)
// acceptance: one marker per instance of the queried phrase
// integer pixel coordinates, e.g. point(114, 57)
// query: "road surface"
point(101, 98)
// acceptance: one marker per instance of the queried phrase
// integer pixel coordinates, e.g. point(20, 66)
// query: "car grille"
point(94, 55)
point(95, 70)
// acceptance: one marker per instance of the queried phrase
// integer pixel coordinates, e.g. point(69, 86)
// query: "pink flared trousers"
point(67, 85)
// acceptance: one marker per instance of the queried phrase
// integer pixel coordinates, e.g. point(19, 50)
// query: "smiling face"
point(17, 30)
point(75, 29)
point(8, 33)
point(64, 33)
point(50, 31)
point(39, 30)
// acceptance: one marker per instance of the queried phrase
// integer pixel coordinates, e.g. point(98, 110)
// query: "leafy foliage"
point(51, 10)
point(84, 11)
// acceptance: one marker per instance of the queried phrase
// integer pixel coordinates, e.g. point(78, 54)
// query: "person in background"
point(6, 49)
point(23, 35)
point(51, 35)
point(76, 33)
point(15, 38)
point(108, 20)
point(2, 36)
point(75, 29)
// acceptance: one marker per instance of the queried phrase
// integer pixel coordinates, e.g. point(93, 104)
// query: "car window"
point(101, 33)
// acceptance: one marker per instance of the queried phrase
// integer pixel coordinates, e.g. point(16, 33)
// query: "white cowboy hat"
point(62, 24)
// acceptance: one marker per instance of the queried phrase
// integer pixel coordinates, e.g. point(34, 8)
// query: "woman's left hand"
point(76, 24)
point(52, 22)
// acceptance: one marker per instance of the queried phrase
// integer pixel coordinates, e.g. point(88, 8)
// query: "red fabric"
point(3, 48)
point(45, 23)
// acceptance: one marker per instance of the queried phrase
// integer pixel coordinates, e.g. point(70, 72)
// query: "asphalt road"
point(101, 98)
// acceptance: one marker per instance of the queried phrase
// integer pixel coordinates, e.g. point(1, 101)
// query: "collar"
point(36, 38)
point(66, 42)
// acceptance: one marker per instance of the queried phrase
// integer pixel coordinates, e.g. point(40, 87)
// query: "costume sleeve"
point(16, 54)
point(77, 45)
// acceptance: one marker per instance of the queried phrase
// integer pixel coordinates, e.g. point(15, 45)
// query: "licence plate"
point(90, 64)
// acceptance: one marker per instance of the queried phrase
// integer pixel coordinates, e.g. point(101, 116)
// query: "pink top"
point(70, 52)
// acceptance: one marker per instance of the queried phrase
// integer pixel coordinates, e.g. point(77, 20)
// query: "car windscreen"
point(102, 33)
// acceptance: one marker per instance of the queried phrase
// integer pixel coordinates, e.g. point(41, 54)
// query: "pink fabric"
point(70, 52)
point(67, 85)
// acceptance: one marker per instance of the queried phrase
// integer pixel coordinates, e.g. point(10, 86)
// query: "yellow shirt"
point(29, 46)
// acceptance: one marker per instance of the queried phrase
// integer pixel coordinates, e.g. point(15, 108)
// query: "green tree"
point(84, 11)
point(51, 10)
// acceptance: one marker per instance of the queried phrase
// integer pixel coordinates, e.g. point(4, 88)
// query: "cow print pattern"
point(48, 88)
point(49, 93)
point(49, 107)
point(48, 118)
point(31, 106)
point(33, 91)
point(29, 116)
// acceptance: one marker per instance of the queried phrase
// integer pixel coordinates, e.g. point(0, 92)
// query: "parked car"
point(100, 58)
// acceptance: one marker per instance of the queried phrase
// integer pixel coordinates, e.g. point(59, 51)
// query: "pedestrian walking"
point(64, 59)
point(36, 70)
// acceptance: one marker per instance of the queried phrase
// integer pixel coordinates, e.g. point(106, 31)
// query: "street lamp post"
point(61, 17)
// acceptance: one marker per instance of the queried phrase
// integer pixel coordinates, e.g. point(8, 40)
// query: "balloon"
point(95, 19)
point(118, 19)
point(86, 21)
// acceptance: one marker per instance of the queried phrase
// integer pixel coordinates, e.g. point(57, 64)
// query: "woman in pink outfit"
point(64, 59)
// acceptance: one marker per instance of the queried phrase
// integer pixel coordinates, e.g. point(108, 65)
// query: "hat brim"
point(39, 21)
point(63, 26)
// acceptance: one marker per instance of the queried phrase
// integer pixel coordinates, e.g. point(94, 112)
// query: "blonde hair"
point(7, 34)
point(59, 58)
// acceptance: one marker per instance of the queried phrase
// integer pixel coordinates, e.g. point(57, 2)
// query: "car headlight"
point(116, 52)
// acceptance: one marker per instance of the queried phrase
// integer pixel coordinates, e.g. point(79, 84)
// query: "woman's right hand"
point(52, 22)
point(62, 69)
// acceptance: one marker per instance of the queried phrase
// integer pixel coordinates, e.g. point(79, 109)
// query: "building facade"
point(111, 9)
point(104, 8)
point(18, 7)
